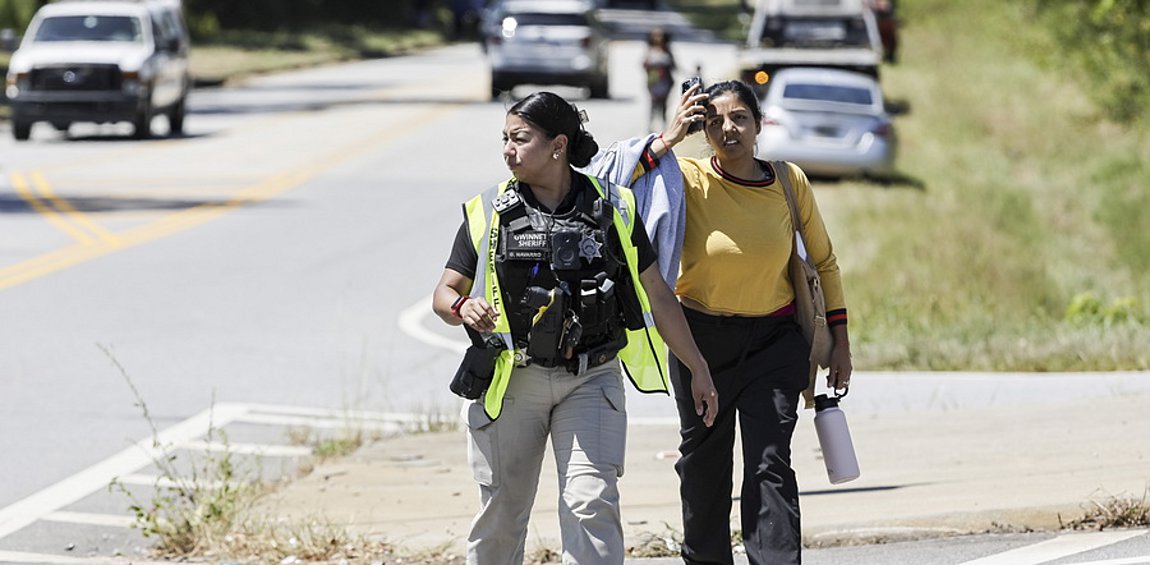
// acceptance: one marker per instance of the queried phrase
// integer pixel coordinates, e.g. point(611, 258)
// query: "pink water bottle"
point(835, 440)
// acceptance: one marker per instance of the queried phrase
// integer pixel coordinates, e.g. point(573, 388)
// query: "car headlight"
point(131, 83)
point(15, 83)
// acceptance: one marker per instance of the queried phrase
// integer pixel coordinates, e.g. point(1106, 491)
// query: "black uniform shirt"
point(464, 257)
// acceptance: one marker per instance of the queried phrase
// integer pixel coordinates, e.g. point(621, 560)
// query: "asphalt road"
point(280, 253)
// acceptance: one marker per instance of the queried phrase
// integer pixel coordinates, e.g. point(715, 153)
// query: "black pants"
point(759, 366)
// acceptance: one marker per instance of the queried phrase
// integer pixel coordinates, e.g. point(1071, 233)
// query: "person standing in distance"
point(555, 265)
point(739, 302)
point(659, 66)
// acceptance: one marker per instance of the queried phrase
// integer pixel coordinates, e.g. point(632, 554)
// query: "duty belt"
point(578, 364)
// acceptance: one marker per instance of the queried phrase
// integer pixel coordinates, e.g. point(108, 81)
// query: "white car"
point(546, 42)
point(101, 61)
point(830, 122)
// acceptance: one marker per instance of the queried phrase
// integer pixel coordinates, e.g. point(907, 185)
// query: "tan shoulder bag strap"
point(782, 171)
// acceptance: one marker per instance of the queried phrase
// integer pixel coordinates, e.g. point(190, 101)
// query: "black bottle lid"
point(822, 402)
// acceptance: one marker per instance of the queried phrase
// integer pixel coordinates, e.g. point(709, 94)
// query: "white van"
point(101, 61)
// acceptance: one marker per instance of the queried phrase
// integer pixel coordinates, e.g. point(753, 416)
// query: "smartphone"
point(687, 84)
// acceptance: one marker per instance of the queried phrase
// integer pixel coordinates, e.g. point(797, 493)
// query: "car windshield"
point(816, 32)
point(90, 28)
point(827, 93)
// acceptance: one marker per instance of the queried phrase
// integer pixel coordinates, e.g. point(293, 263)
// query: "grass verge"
point(1026, 209)
point(192, 511)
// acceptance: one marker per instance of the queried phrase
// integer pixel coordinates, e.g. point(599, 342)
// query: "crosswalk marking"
point(123, 466)
point(68, 491)
point(1059, 547)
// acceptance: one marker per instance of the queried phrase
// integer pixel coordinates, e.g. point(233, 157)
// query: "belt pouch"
point(475, 372)
point(477, 369)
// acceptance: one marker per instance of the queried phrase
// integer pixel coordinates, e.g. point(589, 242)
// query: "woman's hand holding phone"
point(689, 116)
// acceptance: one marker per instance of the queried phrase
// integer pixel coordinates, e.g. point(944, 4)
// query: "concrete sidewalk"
point(923, 474)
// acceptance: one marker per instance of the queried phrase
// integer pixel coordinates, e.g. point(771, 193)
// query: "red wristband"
point(455, 306)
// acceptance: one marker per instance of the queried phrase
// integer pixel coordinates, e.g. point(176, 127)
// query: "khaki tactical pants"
point(586, 420)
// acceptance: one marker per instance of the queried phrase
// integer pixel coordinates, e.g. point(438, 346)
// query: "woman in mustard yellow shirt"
point(739, 302)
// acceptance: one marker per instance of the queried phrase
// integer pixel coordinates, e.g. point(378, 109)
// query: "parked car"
point(829, 122)
point(838, 34)
point(101, 61)
point(546, 42)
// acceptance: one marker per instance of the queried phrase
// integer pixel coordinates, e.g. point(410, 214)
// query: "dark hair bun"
point(582, 148)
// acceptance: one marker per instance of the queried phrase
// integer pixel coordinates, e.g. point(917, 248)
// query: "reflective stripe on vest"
point(645, 355)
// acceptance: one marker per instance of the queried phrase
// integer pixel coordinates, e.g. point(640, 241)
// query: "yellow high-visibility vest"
point(645, 355)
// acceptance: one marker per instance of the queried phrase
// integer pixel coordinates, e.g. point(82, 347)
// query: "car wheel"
point(600, 88)
point(176, 118)
point(143, 123)
point(21, 130)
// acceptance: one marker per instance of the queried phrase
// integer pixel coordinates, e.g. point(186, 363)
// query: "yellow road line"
point(25, 192)
point(271, 187)
point(70, 212)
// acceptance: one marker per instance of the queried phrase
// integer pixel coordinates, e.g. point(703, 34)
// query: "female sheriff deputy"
point(554, 269)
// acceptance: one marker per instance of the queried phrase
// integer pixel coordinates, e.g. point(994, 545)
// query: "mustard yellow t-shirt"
point(739, 237)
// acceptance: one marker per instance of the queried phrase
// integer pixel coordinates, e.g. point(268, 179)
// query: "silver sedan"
point(545, 42)
point(829, 122)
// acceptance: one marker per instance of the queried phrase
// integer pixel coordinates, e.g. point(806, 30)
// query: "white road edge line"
point(1143, 560)
point(165, 482)
point(351, 416)
point(22, 557)
point(98, 476)
point(266, 450)
point(317, 423)
point(91, 519)
point(1057, 548)
point(411, 322)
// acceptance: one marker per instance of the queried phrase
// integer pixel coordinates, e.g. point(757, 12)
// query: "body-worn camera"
point(696, 125)
point(565, 250)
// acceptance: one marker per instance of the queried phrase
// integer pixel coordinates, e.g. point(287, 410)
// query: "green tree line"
point(207, 17)
point(1109, 42)
point(285, 15)
point(14, 14)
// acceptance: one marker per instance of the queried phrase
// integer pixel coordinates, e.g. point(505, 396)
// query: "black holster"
point(478, 367)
